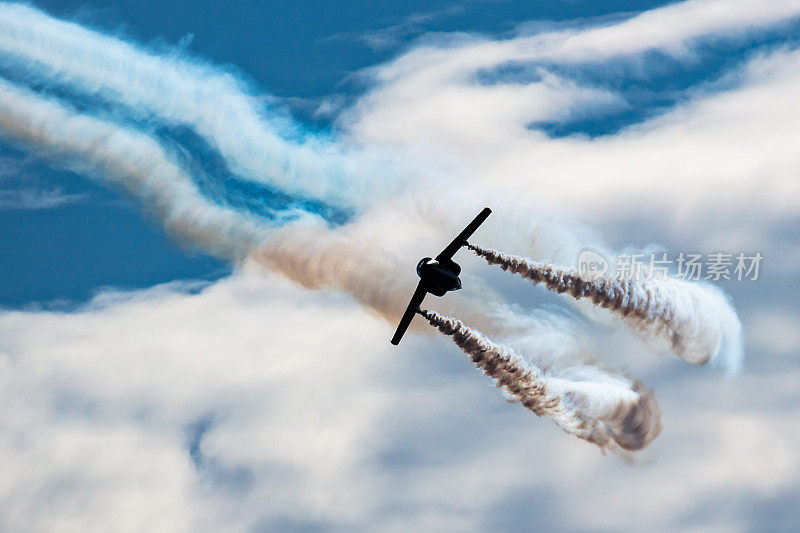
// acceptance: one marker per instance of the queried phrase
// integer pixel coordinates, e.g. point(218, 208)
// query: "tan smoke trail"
point(631, 424)
point(695, 319)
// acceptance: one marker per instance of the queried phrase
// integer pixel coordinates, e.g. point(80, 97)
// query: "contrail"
point(631, 424)
point(696, 319)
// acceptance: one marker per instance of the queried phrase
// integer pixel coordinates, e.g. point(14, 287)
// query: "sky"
point(211, 217)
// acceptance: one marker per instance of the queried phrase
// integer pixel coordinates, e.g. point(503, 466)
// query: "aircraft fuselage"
point(439, 277)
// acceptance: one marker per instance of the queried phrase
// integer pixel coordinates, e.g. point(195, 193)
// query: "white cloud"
point(103, 400)
point(775, 330)
point(30, 198)
point(101, 404)
point(313, 420)
point(724, 151)
point(9, 167)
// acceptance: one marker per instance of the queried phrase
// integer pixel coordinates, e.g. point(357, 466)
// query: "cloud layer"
point(256, 404)
point(175, 408)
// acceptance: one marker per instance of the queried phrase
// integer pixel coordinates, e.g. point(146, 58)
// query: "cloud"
point(353, 258)
point(111, 412)
point(776, 331)
point(22, 191)
point(31, 199)
point(103, 405)
point(253, 404)
point(9, 167)
point(398, 33)
point(731, 135)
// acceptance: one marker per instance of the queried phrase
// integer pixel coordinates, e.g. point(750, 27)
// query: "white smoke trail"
point(180, 91)
point(129, 159)
point(311, 255)
point(355, 259)
point(219, 107)
point(695, 318)
point(366, 259)
point(630, 421)
point(233, 121)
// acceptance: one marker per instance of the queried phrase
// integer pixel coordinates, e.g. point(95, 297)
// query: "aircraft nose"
point(422, 262)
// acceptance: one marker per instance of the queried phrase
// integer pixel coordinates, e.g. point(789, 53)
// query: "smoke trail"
point(371, 257)
point(131, 160)
point(341, 259)
point(139, 164)
point(354, 259)
point(631, 424)
point(695, 319)
point(215, 103)
point(257, 143)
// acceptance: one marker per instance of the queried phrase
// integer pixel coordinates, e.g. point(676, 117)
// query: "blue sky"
point(206, 303)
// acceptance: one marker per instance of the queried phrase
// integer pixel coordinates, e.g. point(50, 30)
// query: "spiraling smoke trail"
point(631, 424)
point(696, 319)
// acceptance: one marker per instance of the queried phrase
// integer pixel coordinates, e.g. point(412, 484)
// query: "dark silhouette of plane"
point(438, 276)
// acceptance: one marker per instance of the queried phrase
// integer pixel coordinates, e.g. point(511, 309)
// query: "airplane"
point(438, 276)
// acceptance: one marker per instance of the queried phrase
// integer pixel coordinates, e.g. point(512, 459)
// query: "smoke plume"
point(694, 318)
point(631, 424)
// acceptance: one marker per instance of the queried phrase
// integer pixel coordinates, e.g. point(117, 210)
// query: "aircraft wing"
point(413, 305)
point(461, 238)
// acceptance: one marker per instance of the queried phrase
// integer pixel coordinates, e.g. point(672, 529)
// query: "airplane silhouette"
point(438, 276)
